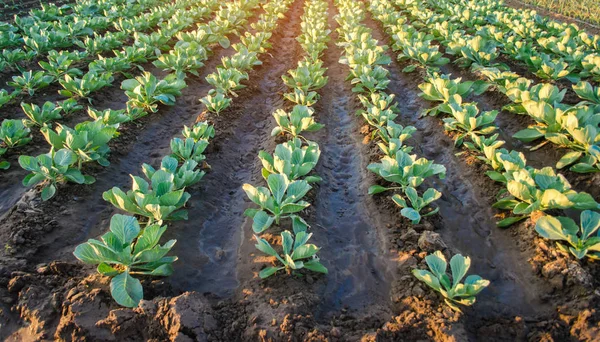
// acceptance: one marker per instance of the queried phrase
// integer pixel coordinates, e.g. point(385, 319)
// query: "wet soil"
point(369, 294)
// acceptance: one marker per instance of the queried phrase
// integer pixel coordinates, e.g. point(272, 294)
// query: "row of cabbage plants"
point(131, 248)
point(15, 133)
point(575, 128)
point(366, 59)
point(481, 31)
point(287, 171)
point(529, 191)
point(70, 26)
point(88, 141)
point(65, 66)
point(228, 77)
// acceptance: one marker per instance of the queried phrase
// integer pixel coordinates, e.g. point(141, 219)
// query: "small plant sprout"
point(413, 210)
point(564, 229)
point(128, 250)
point(297, 254)
point(453, 291)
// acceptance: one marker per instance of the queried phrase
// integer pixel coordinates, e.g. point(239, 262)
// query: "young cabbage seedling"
point(282, 199)
point(581, 241)
point(452, 290)
point(405, 170)
point(297, 254)
point(291, 159)
point(417, 204)
point(299, 120)
point(53, 167)
point(216, 103)
point(158, 200)
point(128, 250)
point(40, 116)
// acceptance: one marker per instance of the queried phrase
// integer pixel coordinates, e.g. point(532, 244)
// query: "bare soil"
point(369, 294)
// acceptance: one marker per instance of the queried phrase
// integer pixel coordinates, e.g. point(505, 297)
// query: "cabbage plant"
point(581, 241)
point(88, 140)
point(453, 291)
point(40, 116)
point(126, 251)
point(29, 82)
point(76, 87)
point(299, 120)
point(291, 159)
point(412, 209)
point(379, 108)
point(466, 120)
point(531, 190)
point(146, 91)
point(158, 199)
point(53, 167)
point(393, 136)
point(404, 170)
point(281, 199)
point(442, 88)
point(297, 254)
point(216, 103)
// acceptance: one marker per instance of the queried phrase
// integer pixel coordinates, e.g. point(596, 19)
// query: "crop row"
point(366, 59)
point(287, 170)
point(131, 248)
point(50, 28)
point(15, 133)
point(572, 127)
point(480, 31)
point(529, 191)
point(88, 141)
point(61, 66)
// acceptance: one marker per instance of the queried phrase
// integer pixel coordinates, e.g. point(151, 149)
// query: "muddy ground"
point(369, 294)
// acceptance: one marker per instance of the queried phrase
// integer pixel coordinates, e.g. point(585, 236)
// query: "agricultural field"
point(298, 170)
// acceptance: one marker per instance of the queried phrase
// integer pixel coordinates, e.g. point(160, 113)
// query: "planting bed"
point(536, 292)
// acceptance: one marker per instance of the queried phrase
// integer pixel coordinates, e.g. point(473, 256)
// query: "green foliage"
point(405, 170)
point(412, 210)
point(146, 91)
point(282, 199)
point(128, 250)
point(582, 240)
point(40, 116)
point(297, 254)
point(29, 82)
point(453, 291)
point(299, 120)
point(89, 140)
point(291, 159)
point(53, 167)
point(75, 87)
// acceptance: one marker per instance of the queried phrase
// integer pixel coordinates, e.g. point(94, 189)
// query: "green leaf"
point(263, 246)
point(409, 68)
point(48, 192)
point(509, 221)
point(315, 266)
point(375, 189)
point(411, 214)
point(107, 270)
point(126, 228)
point(459, 266)
point(568, 159)
point(550, 228)
point(269, 271)
point(126, 290)
point(261, 222)
point(528, 135)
